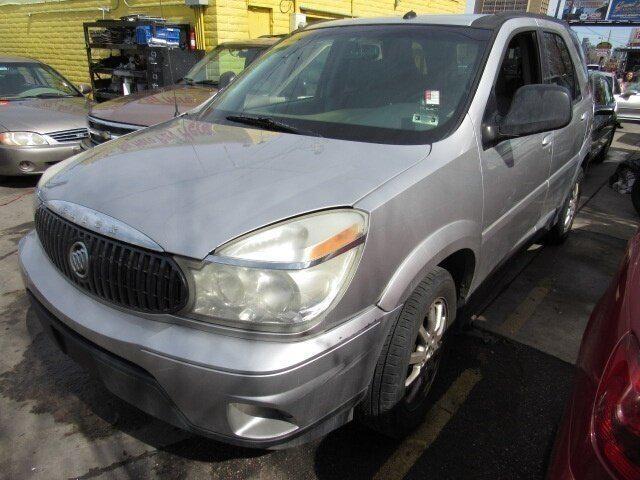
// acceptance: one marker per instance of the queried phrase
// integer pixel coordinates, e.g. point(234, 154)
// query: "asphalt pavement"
point(495, 406)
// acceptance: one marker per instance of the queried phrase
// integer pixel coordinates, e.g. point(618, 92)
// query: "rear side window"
point(560, 69)
point(602, 92)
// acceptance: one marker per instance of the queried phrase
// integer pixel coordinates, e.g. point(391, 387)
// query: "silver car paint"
point(42, 116)
point(628, 107)
point(191, 187)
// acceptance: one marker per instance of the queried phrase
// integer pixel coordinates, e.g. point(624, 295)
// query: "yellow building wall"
point(51, 31)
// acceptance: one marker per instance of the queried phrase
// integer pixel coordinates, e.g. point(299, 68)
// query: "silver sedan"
point(42, 116)
point(628, 102)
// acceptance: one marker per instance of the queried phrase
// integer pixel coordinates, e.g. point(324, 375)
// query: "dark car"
point(42, 116)
point(600, 435)
point(127, 114)
point(604, 119)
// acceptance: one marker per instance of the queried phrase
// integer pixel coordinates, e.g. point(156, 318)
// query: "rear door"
point(562, 68)
point(603, 125)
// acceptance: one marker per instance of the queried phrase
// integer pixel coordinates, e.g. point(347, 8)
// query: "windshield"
point(631, 87)
point(220, 61)
point(19, 81)
point(385, 84)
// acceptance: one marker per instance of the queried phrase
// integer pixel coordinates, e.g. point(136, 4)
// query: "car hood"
point(191, 186)
point(154, 106)
point(44, 115)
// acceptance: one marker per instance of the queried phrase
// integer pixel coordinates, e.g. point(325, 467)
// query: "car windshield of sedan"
point(220, 61)
point(400, 84)
point(631, 88)
point(20, 81)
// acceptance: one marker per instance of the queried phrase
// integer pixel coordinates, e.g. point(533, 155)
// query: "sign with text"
point(624, 11)
point(585, 10)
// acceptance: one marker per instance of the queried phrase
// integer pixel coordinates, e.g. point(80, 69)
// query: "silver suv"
point(292, 255)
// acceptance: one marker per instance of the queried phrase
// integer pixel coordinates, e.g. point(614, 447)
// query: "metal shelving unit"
point(151, 61)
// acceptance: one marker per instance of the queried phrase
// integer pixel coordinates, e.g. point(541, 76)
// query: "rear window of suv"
point(383, 84)
point(560, 69)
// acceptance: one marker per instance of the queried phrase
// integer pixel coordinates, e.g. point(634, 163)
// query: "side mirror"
point(84, 88)
point(535, 109)
point(225, 79)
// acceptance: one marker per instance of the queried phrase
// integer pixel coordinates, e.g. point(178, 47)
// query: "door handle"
point(583, 116)
point(547, 140)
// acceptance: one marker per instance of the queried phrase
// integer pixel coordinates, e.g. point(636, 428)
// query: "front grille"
point(75, 135)
point(119, 273)
point(101, 132)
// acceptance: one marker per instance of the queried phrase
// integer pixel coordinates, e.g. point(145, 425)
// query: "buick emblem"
point(79, 259)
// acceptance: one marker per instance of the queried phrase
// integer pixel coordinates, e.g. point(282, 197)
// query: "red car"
point(600, 434)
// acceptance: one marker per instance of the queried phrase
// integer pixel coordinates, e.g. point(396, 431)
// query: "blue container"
point(169, 34)
point(166, 35)
point(143, 34)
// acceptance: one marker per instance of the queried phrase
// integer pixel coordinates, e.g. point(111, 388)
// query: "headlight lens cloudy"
point(283, 277)
point(22, 139)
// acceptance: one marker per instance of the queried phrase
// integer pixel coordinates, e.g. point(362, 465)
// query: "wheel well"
point(461, 265)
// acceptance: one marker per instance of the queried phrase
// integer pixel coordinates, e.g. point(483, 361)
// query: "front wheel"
point(560, 231)
point(396, 402)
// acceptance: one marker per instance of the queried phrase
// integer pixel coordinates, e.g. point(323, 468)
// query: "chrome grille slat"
point(119, 273)
point(73, 135)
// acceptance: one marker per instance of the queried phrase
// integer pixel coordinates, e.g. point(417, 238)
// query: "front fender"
point(451, 238)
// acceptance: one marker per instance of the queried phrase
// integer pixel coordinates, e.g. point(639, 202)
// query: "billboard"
point(624, 11)
point(586, 10)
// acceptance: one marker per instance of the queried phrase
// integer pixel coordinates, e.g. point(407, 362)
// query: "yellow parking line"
point(525, 310)
point(397, 466)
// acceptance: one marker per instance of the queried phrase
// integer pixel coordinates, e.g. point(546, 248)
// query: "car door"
point(515, 171)
point(603, 125)
point(561, 68)
point(629, 103)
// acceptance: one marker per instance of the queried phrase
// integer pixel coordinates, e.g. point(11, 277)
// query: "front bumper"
point(628, 114)
point(244, 391)
point(38, 158)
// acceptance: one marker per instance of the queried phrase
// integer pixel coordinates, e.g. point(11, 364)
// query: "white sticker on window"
point(430, 119)
point(432, 97)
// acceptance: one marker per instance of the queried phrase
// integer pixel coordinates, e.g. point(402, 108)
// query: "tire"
point(603, 152)
point(390, 406)
point(559, 232)
point(635, 195)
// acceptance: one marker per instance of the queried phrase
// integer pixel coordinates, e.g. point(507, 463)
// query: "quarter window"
point(560, 69)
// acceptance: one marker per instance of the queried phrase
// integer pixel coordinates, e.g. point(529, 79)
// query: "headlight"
point(281, 278)
point(22, 139)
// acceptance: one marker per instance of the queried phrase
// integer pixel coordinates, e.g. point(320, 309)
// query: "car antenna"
point(176, 111)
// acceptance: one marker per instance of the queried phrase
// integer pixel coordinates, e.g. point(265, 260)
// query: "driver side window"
point(520, 66)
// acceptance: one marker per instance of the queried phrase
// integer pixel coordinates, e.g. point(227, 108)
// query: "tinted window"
point(219, 61)
point(385, 84)
point(560, 69)
point(30, 80)
point(601, 90)
point(520, 66)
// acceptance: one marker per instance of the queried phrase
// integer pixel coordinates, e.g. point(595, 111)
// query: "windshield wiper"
point(268, 123)
point(50, 95)
point(191, 81)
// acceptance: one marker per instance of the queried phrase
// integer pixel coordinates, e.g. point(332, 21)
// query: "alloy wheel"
point(572, 208)
point(423, 362)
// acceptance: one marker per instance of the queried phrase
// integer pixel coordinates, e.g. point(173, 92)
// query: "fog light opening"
point(26, 166)
point(258, 423)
